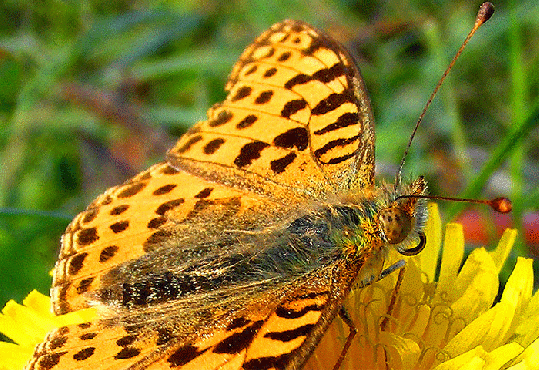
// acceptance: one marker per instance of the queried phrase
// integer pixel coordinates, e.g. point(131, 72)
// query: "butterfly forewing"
point(165, 257)
point(296, 116)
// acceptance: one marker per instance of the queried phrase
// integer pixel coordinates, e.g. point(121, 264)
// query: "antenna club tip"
point(502, 205)
point(485, 12)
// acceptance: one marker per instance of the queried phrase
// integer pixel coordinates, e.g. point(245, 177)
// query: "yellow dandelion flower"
point(28, 324)
point(435, 314)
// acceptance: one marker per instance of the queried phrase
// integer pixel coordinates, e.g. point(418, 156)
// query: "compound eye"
point(396, 223)
point(418, 248)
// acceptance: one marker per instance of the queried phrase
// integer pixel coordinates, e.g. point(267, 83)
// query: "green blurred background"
point(92, 92)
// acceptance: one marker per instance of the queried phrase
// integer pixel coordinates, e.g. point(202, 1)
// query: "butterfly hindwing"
point(130, 220)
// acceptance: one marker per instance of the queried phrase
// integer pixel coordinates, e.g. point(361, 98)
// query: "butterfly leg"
point(343, 314)
point(391, 306)
point(373, 279)
point(397, 265)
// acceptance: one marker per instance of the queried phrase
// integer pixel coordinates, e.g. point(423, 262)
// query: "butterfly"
point(238, 250)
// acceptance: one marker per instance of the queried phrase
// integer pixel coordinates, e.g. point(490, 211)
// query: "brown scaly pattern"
point(189, 264)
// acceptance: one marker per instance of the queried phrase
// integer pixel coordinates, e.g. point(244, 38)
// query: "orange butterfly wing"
point(295, 128)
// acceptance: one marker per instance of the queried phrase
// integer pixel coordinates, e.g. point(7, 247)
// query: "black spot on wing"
point(291, 314)
point(332, 102)
point(120, 226)
point(251, 70)
point(84, 284)
point(87, 336)
point(63, 306)
point(90, 215)
point(185, 147)
point(264, 97)
point(297, 137)
point(169, 170)
point(249, 152)
point(241, 93)
point(126, 340)
point(126, 353)
point(334, 144)
point(300, 79)
point(212, 146)
point(165, 189)
point(239, 341)
point(156, 222)
point(48, 361)
point(107, 253)
point(131, 190)
point(59, 342)
point(84, 353)
point(238, 323)
point(284, 56)
point(106, 201)
point(184, 355)
point(268, 362)
point(292, 107)
point(223, 117)
point(156, 238)
point(87, 236)
point(279, 165)
point(204, 193)
point(145, 176)
point(76, 263)
point(118, 210)
point(247, 121)
point(316, 44)
point(324, 75)
point(344, 120)
point(270, 72)
point(340, 159)
point(163, 208)
point(288, 335)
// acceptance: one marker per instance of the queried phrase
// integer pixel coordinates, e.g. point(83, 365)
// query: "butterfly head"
point(403, 219)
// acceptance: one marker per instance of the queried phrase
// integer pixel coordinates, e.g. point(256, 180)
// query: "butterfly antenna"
point(501, 205)
point(485, 12)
